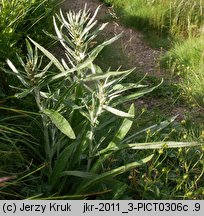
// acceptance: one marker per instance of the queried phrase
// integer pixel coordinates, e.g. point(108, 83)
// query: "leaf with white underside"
point(60, 122)
point(117, 112)
point(13, 68)
point(49, 55)
point(153, 145)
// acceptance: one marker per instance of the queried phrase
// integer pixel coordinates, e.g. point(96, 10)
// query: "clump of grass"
point(188, 53)
point(193, 85)
point(185, 59)
point(177, 18)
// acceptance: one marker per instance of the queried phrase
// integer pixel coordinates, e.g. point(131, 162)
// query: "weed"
point(79, 108)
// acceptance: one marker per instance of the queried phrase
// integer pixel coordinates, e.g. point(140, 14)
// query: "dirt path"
point(138, 53)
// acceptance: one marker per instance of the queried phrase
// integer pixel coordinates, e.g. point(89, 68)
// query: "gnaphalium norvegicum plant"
point(79, 103)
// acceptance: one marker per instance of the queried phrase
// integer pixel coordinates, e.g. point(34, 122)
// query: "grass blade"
point(113, 173)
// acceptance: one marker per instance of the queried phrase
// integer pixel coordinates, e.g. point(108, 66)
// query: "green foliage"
point(81, 119)
point(164, 21)
point(186, 59)
point(177, 18)
point(185, 54)
point(19, 18)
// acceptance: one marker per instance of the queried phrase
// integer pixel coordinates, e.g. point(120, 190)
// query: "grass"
point(185, 60)
point(178, 27)
point(177, 18)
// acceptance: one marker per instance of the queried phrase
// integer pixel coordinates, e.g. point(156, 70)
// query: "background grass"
point(178, 27)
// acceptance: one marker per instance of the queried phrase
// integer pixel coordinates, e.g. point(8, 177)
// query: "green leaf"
point(113, 173)
point(16, 72)
point(117, 112)
point(153, 145)
point(121, 133)
point(106, 75)
point(134, 96)
point(153, 129)
point(125, 126)
point(49, 55)
point(60, 164)
point(119, 136)
point(159, 145)
point(69, 156)
point(118, 89)
point(24, 93)
point(80, 174)
point(29, 49)
point(60, 122)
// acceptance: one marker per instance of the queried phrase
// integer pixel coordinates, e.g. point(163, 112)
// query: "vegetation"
point(70, 129)
point(174, 17)
point(175, 25)
point(18, 19)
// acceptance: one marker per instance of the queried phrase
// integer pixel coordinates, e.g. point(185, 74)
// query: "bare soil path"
point(138, 53)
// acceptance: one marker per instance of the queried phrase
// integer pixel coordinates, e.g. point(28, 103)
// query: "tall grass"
point(175, 17)
point(185, 59)
point(182, 22)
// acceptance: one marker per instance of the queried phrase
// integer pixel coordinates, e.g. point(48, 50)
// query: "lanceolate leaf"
point(125, 126)
point(154, 128)
point(119, 136)
point(80, 174)
point(113, 173)
point(24, 93)
point(60, 122)
point(153, 145)
point(134, 96)
point(118, 112)
point(159, 145)
point(13, 68)
point(106, 75)
point(60, 164)
point(68, 157)
point(49, 55)
point(120, 88)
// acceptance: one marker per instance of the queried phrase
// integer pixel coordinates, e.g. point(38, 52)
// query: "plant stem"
point(90, 148)
point(91, 137)
point(45, 127)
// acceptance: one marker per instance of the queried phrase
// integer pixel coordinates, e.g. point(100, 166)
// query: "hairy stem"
point(45, 127)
